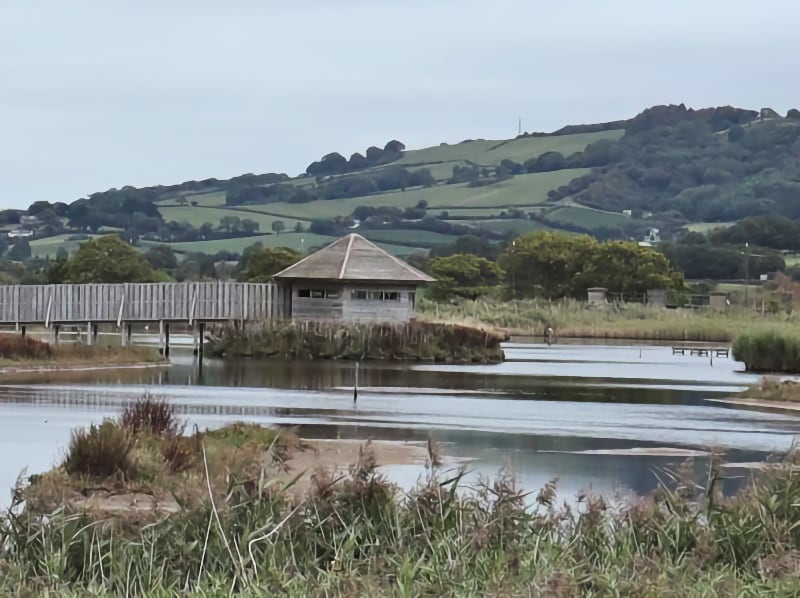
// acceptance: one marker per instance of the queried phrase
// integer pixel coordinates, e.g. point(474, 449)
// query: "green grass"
point(197, 216)
point(773, 351)
point(492, 152)
point(704, 227)
point(401, 236)
point(290, 240)
point(587, 217)
point(49, 246)
point(213, 198)
point(523, 190)
point(509, 225)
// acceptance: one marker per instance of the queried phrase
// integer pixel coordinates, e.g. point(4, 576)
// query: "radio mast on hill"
point(519, 126)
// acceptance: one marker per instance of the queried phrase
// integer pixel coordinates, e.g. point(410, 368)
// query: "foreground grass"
point(574, 319)
point(357, 534)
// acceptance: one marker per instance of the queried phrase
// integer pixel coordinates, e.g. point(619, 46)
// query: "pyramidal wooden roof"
point(354, 258)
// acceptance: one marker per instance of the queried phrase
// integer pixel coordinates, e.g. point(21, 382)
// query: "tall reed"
point(321, 340)
point(578, 319)
point(358, 535)
point(769, 351)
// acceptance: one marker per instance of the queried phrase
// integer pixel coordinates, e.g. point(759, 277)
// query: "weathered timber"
point(701, 351)
point(191, 302)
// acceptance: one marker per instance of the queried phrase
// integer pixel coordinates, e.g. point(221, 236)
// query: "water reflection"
point(533, 413)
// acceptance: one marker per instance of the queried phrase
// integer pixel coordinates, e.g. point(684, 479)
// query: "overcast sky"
point(97, 94)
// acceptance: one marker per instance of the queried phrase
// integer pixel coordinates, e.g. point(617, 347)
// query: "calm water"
point(546, 412)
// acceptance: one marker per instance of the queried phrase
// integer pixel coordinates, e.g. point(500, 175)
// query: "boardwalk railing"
point(141, 302)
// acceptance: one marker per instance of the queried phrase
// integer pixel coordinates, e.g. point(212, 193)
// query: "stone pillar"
point(597, 296)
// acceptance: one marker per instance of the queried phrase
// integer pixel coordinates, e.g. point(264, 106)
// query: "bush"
point(769, 351)
point(100, 452)
point(153, 415)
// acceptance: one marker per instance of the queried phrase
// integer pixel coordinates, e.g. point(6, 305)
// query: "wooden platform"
point(701, 351)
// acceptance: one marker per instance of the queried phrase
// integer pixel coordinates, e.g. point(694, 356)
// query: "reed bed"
point(576, 319)
point(419, 341)
point(357, 534)
point(769, 350)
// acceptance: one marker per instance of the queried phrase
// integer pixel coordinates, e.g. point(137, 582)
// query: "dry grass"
point(773, 388)
point(21, 351)
point(575, 319)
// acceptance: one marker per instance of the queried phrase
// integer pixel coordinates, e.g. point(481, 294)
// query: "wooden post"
point(23, 330)
point(355, 385)
point(161, 336)
point(202, 335)
point(54, 330)
point(91, 333)
point(166, 339)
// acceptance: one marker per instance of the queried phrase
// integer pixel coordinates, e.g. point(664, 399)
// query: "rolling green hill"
point(669, 167)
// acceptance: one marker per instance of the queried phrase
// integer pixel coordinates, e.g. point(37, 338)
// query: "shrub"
point(100, 452)
point(181, 452)
point(153, 415)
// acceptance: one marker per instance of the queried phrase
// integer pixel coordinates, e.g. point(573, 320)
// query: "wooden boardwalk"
point(89, 305)
point(147, 302)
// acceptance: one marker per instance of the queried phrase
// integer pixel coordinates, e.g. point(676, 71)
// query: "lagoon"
point(597, 416)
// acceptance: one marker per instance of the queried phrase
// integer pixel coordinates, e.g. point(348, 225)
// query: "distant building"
point(19, 233)
point(28, 221)
point(351, 280)
point(652, 236)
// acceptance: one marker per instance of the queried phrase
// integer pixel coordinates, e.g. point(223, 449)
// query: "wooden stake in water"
point(355, 385)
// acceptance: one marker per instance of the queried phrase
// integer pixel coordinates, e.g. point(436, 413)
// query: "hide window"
point(375, 295)
point(317, 294)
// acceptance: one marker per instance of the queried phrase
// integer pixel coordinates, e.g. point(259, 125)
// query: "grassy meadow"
point(301, 242)
point(527, 192)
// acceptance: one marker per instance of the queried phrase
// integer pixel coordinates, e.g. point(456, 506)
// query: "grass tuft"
point(153, 415)
point(101, 452)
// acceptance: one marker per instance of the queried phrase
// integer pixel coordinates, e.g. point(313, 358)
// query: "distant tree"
point(249, 226)
point(108, 259)
point(263, 263)
point(278, 226)
point(422, 204)
point(20, 250)
point(463, 275)
point(298, 227)
point(394, 147)
point(182, 200)
point(206, 230)
point(358, 162)
point(194, 204)
point(793, 113)
point(161, 257)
